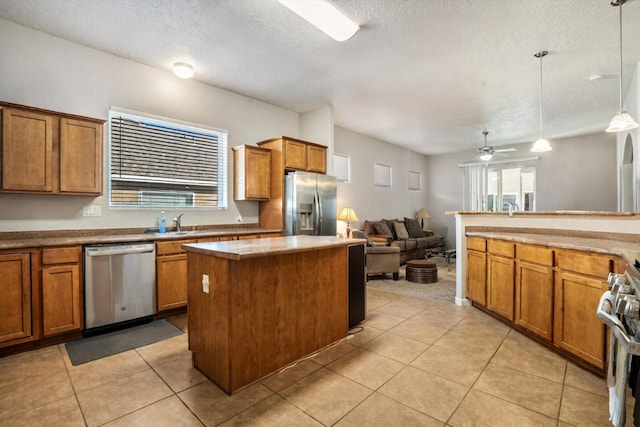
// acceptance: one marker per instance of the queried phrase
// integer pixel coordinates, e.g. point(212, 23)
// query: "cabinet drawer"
point(501, 248)
point(173, 247)
point(535, 254)
point(70, 254)
point(476, 244)
point(584, 263)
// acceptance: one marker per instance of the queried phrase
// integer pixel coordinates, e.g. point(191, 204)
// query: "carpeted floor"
point(444, 289)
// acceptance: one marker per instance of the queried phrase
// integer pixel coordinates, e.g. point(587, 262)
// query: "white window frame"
point(342, 167)
point(382, 175)
point(214, 200)
point(415, 181)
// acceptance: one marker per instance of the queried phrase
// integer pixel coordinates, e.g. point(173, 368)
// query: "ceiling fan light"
point(622, 122)
point(486, 157)
point(541, 145)
point(183, 70)
point(324, 16)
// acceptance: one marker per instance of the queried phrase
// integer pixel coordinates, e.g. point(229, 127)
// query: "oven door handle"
point(605, 307)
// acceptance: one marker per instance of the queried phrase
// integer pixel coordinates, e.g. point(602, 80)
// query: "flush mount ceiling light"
point(621, 121)
point(183, 70)
point(325, 16)
point(541, 144)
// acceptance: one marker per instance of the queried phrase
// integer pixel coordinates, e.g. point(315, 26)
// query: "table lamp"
point(422, 214)
point(347, 214)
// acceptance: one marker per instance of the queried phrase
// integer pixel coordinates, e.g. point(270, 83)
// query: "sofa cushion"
point(405, 245)
point(381, 227)
point(368, 227)
point(428, 241)
point(390, 223)
point(413, 227)
point(401, 230)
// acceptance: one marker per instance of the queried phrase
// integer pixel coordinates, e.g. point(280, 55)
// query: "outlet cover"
point(91, 210)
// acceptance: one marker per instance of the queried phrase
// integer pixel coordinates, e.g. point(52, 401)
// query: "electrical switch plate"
point(205, 283)
point(91, 210)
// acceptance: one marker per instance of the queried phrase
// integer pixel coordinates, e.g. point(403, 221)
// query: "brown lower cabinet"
point(61, 290)
point(15, 300)
point(171, 274)
point(551, 293)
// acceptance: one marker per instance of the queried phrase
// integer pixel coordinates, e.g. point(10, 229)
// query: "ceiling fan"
point(487, 153)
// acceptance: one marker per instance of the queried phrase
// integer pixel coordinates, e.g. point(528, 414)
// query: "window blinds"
point(161, 163)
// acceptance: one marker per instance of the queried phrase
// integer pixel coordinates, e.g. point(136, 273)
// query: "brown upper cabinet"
point(298, 154)
point(252, 173)
point(46, 152)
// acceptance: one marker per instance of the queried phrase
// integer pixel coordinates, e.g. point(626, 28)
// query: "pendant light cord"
point(541, 56)
point(620, 2)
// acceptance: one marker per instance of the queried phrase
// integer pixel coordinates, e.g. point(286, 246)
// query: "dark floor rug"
point(444, 289)
point(93, 348)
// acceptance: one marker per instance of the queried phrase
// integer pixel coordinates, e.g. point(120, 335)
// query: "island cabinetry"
point(580, 282)
point(534, 289)
point(477, 270)
point(288, 154)
point(250, 316)
point(50, 153)
point(61, 290)
point(252, 173)
point(500, 277)
point(16, 314)
point(171, 274)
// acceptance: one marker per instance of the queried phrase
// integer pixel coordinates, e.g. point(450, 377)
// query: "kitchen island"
point(257, 306)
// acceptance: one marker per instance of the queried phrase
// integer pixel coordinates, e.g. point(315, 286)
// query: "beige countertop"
point(243, 249)
point(603, 246)
point(46, 239)
point(630, 215)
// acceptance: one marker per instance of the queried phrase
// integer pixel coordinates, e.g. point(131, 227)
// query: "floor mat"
point(93, 348)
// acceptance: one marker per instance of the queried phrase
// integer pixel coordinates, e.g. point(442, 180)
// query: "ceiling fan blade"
point(504, 150)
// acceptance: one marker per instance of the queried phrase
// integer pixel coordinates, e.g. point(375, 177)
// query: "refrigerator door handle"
point(319, 233)
point(316, 213)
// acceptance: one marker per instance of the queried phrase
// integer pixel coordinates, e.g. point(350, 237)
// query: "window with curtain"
point(160, 162)
point(415, 181)
point(381, 175)
point(342, 167)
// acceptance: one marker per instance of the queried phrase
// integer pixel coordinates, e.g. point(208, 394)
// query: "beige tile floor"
point(416, 362)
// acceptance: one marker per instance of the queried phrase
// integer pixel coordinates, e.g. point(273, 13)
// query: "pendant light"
point(621, 121)
point(541, 144)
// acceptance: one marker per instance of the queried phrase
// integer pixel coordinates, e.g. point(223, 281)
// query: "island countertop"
point(244, 249)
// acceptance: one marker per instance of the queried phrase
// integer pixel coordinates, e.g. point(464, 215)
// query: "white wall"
point(375, 203)
point(317, 126)
point(631, 103)
point(40, 70)
point(578, 174)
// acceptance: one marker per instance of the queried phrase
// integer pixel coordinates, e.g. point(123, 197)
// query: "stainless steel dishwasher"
point(119, 283)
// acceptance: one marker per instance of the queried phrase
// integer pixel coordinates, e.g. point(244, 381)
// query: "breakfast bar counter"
point(257, 306)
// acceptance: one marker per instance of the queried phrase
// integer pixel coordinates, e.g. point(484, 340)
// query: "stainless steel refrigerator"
point(310, 204)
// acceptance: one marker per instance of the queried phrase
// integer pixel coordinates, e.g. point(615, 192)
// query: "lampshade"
point(183, 70)
point(486, 157)
point(621, 121)
point(422, 214)
point(347, 214)
point(324, 16)
point(540, 146)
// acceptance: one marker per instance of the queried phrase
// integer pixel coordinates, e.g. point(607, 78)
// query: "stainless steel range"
point(619, 309)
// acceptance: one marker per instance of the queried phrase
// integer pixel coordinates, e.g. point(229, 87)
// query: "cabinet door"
point(27, 151)
point(577, 329)
point(80, 157)
point(534, 298)
point(15, 296)
point(61, 299)
point(295, 155)
point(477, 277)
point(258, 174)
point(500, 285)
point(172, 281)
point(316, 159)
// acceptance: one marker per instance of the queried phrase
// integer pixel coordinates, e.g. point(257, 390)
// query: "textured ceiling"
point(429, 75)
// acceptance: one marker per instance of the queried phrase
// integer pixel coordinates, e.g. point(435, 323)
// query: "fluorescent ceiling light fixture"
point(325, 16)
point(621, 121)
point(183, 70)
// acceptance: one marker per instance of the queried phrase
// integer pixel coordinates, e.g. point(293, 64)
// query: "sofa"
point(407, 234)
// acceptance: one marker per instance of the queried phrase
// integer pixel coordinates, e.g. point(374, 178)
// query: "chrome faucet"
point(177, 220)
